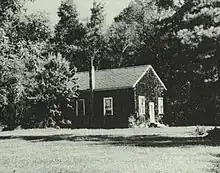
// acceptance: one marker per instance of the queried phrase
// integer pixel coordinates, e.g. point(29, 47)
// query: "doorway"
point(152, 112)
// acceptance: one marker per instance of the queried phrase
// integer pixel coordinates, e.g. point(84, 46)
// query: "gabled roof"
point(110, 79)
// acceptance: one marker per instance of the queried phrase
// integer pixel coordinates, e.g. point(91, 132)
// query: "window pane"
point(108, 112)
point(108, 106)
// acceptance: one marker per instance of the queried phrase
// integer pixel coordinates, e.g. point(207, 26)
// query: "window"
point(160, 105)
point(80, 107)
point(108, 106)
point(141, 103)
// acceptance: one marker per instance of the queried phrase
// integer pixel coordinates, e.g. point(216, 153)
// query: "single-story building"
point(118, 94)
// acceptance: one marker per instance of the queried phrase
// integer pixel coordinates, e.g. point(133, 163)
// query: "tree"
point(92, 45)
point(31, 82)
point(132, 36)
point(191, 38)
point(34, 27)
point(25, 65)
point(11, 89)
point(94, 41)
point(11, 66)
point(69, 32)
point(52, 91)
point(11, 11)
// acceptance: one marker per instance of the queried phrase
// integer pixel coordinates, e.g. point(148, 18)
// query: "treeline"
point(37, 84)
point(180, 40)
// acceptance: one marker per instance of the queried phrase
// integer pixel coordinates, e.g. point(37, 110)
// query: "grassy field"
point(165, 150)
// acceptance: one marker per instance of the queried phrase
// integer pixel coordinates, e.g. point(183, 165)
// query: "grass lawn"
point(165, 150)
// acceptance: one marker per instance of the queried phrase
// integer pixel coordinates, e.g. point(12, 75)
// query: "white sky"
point(112, 8)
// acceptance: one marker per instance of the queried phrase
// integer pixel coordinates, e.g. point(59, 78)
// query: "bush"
point(136, 121)
point(54, 89)
point(36, 94)
point(200, 131)
point(214, 134)
point(131, 121)
point(64, 124)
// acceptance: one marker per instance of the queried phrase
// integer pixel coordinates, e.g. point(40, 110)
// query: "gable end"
point(150, 67)
point(141, 76)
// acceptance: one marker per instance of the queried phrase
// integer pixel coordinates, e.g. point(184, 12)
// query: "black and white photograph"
point(109, 86)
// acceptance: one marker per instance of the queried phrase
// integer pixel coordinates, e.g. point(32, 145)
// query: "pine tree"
point(191, 37)
point(69, 32)
point(92, 44)
point(94, 40)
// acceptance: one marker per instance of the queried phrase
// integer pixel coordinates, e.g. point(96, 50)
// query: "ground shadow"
point(216, 163)
point(137, 140)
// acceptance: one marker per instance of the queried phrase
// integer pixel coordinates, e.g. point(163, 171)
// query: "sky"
point(112, 8)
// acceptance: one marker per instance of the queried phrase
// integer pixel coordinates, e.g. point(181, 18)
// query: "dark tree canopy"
point(27, 70)
point(69, 32)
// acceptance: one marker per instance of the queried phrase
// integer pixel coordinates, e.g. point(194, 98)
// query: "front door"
point(152, 112)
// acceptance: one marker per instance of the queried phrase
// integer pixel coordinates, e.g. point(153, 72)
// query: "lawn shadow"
point(216, 163)
point(136, 140)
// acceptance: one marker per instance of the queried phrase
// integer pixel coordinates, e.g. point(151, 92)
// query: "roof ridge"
point(129, 67)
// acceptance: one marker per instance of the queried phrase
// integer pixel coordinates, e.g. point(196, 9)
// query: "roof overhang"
point(109, 89)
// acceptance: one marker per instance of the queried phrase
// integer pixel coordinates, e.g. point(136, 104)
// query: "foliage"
point(132, 121)
point(79, 42)
point(190, 37)
point(34, 89)
point(53, 89)
point(131, 38)
point(9, 8)
point(213, 134)
point(11, 89)
point(34, 27)
point(33, 84)
point(200, 131)
point(69, 32)
point(93, 42)
point(137, 121)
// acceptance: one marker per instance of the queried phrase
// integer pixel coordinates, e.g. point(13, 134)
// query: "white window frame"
point(77, 107)
point(104, 101)
point(160, 105)
point(141, 108)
